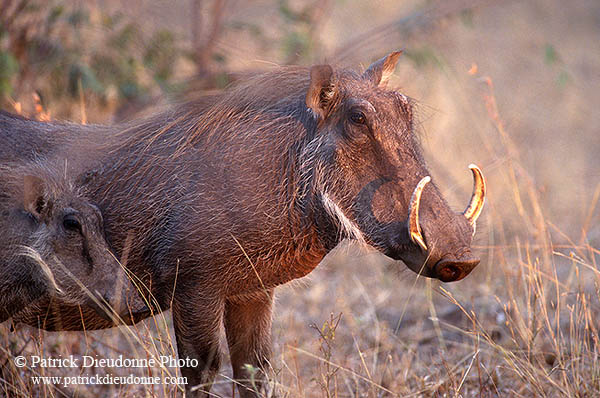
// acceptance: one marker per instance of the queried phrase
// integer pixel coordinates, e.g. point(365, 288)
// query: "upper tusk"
point(414, 228)
point(475, 207)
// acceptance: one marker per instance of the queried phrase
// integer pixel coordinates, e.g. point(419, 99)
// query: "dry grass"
point(523, 324)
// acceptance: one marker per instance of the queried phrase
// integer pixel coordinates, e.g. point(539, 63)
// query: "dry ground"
point(525, 322)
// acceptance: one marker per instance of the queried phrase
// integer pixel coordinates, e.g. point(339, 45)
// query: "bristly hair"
point(56, 180)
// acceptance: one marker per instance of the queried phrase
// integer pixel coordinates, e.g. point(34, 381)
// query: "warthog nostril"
point(450, 271)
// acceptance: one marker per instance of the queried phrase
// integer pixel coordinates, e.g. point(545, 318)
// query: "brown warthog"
point(52, 244)
point(219, 201)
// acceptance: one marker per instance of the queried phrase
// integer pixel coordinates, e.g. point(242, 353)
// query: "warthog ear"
point(321, 91)
point(380, 71)
point(34, 195)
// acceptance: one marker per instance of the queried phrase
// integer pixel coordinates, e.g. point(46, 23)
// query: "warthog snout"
point(433, 240)
point(445, 234)
point(454, 270)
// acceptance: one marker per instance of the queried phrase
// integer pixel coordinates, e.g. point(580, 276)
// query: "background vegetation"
point(509, 85)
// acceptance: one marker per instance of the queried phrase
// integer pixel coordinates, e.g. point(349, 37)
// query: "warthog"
point(219, 201)
point(52, 244)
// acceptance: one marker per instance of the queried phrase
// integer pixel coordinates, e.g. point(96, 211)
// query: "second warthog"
point(52, 245)
point(217, 202)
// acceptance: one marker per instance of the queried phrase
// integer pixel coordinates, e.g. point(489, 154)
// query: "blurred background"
point(508, 85)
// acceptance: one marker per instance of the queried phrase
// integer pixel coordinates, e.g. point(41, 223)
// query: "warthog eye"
point(358, 117)
point(70, 223)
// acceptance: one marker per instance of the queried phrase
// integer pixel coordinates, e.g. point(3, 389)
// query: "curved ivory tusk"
point(414, 228)
point(474, 208)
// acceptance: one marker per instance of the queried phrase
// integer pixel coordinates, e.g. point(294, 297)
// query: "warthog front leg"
point(248, 328)
point(197, 320)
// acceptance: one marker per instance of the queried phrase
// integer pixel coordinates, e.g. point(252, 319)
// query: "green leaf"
point(9, 66)
point(126, 37)
point(296, 43)
point(550, 54)
point(423, 57)
point(563, 78)
point(54, 14)
point(161, 54)
point(78, 17)
point(466, 16)
point(82, 74)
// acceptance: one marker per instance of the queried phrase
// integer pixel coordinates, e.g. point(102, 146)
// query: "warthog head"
point(370, 178)
point(54, 237)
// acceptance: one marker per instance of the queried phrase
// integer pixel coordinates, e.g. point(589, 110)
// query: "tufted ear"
point(380, 71)
point(34, 195)
point(321, 91)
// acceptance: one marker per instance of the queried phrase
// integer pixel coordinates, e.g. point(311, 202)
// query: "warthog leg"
point(248, 328)
point(197, 319)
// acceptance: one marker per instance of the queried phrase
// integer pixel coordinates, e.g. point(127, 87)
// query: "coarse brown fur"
point(216, 202)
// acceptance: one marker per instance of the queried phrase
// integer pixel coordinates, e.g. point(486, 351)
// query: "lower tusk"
point(414, 228)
